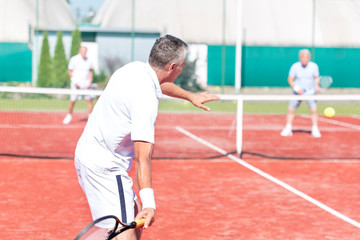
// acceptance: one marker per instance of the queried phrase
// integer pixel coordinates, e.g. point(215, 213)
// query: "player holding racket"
point(304, 79)
point(121, 129)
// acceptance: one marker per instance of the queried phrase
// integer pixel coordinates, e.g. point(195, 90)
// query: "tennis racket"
point(106, 228)
point(325, 82)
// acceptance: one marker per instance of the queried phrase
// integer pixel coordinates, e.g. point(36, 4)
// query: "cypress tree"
point(61, 77)
point(45, 66)
point(75, 43)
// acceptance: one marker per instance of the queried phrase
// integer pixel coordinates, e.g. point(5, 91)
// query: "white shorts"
point(294, 104)
point(108, 193)
point(75, 97)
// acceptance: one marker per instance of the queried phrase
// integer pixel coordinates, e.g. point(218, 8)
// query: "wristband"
point(147, 198)
point(296, 88)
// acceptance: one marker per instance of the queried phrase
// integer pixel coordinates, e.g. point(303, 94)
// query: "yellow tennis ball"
point(329, 112)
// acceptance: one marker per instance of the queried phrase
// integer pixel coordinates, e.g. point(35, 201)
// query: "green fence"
point(15, 62)
point(269, 66)
point(261, 66)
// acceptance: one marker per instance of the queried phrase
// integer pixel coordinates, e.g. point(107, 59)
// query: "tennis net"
point(31, 122)
point(249, 125)
point(262, 118)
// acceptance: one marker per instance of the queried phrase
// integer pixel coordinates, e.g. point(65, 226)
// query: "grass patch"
point(41, 105)
point(179, 106)
point(341, 108)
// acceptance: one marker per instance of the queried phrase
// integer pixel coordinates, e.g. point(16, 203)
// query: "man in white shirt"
point(121, 129)
point(80, 70)
point(303, 79)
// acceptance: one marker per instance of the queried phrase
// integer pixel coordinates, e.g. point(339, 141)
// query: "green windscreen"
point(15, 62)
point(269, 66)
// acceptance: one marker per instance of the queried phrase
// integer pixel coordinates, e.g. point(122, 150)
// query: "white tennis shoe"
point(315, 132)
point(67, 119)
point(286, 132)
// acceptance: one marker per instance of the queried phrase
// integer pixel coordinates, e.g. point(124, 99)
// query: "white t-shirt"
point(125, 112)
point(304, 76)
point(80, 70)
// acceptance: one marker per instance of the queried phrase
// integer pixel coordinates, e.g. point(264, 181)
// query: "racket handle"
point(140, 222)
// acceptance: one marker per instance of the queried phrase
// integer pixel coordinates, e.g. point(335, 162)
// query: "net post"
point(239, 125)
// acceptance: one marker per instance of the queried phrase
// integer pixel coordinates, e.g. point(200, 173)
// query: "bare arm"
point(292, 85)
point(317, 84)
point(70, 73)
point(143, 151)
point(291, 81)
point(91, 75)
point(197, 99)
point(142, 158)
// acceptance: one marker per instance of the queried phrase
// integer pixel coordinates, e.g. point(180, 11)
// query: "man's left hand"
point(198, 99)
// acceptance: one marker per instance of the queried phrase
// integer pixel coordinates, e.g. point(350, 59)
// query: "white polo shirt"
point(80, 68)
point(304, 76)
point(125, 112)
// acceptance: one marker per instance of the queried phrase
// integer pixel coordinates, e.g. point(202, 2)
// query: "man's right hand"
point(301, 91)
point(298, 90)
point(148, 214)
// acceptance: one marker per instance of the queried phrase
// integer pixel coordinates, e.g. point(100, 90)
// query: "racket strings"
point(95, 234)
point(325, 82)
point(98, 232)
point(99, 229)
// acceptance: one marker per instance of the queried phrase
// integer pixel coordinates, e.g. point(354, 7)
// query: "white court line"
point(270, 178)
point(342, 124)
point(43, 126)
point(335, 122)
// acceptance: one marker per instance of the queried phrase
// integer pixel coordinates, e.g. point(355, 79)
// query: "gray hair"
point(166, 50)
point(304, 52)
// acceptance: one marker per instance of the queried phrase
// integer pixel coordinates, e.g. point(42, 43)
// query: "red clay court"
point(203, 189)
